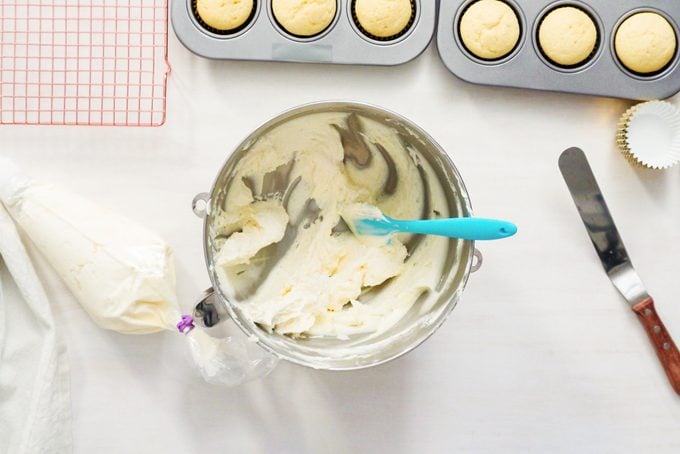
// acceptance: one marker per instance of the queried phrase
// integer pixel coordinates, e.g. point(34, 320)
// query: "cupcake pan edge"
point(342, 43)
point(601, 75)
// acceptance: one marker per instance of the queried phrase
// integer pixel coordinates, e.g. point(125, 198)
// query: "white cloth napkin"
point(35, 400)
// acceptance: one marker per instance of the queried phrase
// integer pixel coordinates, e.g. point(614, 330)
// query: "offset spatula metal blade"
point(605, 237)
point(600, 226)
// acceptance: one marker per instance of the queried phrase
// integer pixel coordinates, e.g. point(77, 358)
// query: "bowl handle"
point(200, 204)
point(209, 310)
point(477, 263)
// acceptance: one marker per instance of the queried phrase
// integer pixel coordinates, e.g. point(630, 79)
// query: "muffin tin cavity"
point(304, 18)
point(564, 45)
point(489, 29)
point(383, 20)
point(645, 42)
point(568, 36)
point(224, 17)
point(371, 32)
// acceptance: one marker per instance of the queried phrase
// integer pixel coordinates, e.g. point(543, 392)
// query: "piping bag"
point(122, 274)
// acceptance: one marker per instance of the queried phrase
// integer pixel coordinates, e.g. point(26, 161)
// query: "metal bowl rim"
point(321, 106)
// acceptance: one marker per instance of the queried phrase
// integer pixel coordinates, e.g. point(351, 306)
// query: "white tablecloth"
point(541, 355)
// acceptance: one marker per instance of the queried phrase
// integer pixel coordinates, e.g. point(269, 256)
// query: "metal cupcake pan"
point(341, 43)
point(526, 67)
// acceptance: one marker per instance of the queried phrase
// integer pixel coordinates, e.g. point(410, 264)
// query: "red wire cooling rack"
point(83, 62)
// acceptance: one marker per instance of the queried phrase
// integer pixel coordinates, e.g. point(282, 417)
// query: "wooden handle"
point(665, 347)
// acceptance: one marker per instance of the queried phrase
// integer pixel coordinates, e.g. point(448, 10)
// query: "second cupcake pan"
point(343, 41)
point(527, 64)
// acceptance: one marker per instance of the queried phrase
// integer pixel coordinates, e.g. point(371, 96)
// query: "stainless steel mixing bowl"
point(334, 354)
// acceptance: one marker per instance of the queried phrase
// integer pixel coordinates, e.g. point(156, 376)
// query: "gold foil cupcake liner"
point(217, 31)
point(648, 135)
point(387, 38)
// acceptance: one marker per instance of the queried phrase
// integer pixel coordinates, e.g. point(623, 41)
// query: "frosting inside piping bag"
point(121, 273)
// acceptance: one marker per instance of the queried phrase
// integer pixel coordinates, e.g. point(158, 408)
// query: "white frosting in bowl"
point(287, 260)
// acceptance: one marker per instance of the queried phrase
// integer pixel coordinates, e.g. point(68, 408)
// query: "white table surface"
point(542, 355)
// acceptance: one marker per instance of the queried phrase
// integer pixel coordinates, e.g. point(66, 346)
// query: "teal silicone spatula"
point(368, 220)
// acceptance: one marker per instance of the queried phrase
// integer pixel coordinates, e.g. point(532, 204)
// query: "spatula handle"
point(666, 349)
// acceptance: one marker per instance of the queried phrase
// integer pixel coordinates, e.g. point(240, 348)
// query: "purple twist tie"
point(186, 324)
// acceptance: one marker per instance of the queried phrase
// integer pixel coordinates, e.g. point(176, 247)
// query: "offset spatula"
point(609, 246)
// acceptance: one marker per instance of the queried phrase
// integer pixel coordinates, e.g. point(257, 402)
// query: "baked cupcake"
point(304, 17)
point(567, 36)
point(645, 43)
point(383, 19)
point(224, 16)
point(489, 29)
